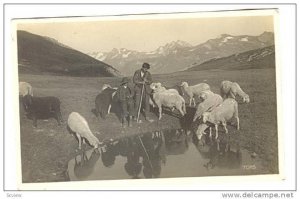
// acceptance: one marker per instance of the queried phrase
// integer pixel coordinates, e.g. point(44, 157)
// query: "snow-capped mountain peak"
point(176, 55)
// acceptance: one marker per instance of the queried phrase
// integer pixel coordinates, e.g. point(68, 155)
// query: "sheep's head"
point(153, 86)
point(205, 116)
point(184, 84)
point(246, 99)
point(27, 101)
point(156, 87)
point(105, 86)
point(200, 130)
point(203, 95)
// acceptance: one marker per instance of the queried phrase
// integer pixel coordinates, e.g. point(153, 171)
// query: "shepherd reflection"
point(154, 153)
point(133, 167)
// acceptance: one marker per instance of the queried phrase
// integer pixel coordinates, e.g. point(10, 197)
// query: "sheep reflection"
point(221, 153)
point(84, 167)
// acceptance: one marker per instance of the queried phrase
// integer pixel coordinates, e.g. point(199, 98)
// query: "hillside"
point(44, 55)
point(180, 55)
point(259, 58)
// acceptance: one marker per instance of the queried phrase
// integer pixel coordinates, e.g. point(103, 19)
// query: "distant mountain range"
point(44, 55)
point(180, 55)
point(258, 58)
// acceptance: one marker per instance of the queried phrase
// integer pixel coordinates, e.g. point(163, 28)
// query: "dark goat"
point(42, 108)
point(104, 101)
point(178, 88)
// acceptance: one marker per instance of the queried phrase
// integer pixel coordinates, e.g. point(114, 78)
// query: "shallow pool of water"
point(165, 154)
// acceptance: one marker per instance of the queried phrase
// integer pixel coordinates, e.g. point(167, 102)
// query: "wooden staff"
point(140, 105)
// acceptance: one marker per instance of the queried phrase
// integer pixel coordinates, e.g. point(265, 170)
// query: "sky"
point(144, 34)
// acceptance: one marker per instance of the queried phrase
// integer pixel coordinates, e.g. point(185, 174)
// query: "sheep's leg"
point(159, 111)
point(190, 104)
point(236, 115)
point(225, 127)
point(79, 140)
point(180, 109)
point(237, 123)
point(210, 132)
point(194, 101)
point(217, 134)
point(109, 107)
point(183, 106)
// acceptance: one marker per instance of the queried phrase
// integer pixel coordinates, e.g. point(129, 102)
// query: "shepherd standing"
point(142, 79)
point(125, 96)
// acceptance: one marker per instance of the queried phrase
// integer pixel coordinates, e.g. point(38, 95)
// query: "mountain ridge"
point(180, 55)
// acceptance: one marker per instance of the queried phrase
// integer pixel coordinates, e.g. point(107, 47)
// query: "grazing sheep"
point(227, 110)
point(195, 90)
point(78, 125)
point(210, 101)
point(103, 101)
point(42, 107)
point(200, 130)
point(231, 89)
point(25, 89)
point(162, 97)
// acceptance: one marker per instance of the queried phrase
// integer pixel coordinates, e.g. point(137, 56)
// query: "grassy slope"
point(46, 150)
point(38, 55)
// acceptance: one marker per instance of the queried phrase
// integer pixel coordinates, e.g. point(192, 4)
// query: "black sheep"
point(104, 101)
point(42, 108)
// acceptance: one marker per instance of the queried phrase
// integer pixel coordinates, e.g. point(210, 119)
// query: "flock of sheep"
point(214, 109)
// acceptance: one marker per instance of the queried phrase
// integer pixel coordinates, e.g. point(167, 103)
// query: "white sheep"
point(210, 101)
point(231, 89)
point(168, 99)
point(227, 110)
point(158, 87)
point(80, 127)
point(195, 90)
point(25, 89)
point(200, 130)
point(105, 86)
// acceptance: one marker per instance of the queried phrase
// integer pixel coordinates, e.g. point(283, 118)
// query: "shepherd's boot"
point(130, 121)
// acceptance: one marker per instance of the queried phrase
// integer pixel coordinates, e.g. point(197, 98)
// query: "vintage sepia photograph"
point(147, 96)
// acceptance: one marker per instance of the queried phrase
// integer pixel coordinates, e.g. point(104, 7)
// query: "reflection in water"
point(171, 153)
point(85, 167)
point(221, 154)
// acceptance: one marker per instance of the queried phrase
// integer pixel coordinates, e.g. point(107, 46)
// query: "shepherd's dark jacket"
point(138, 81)
point(124, 94)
